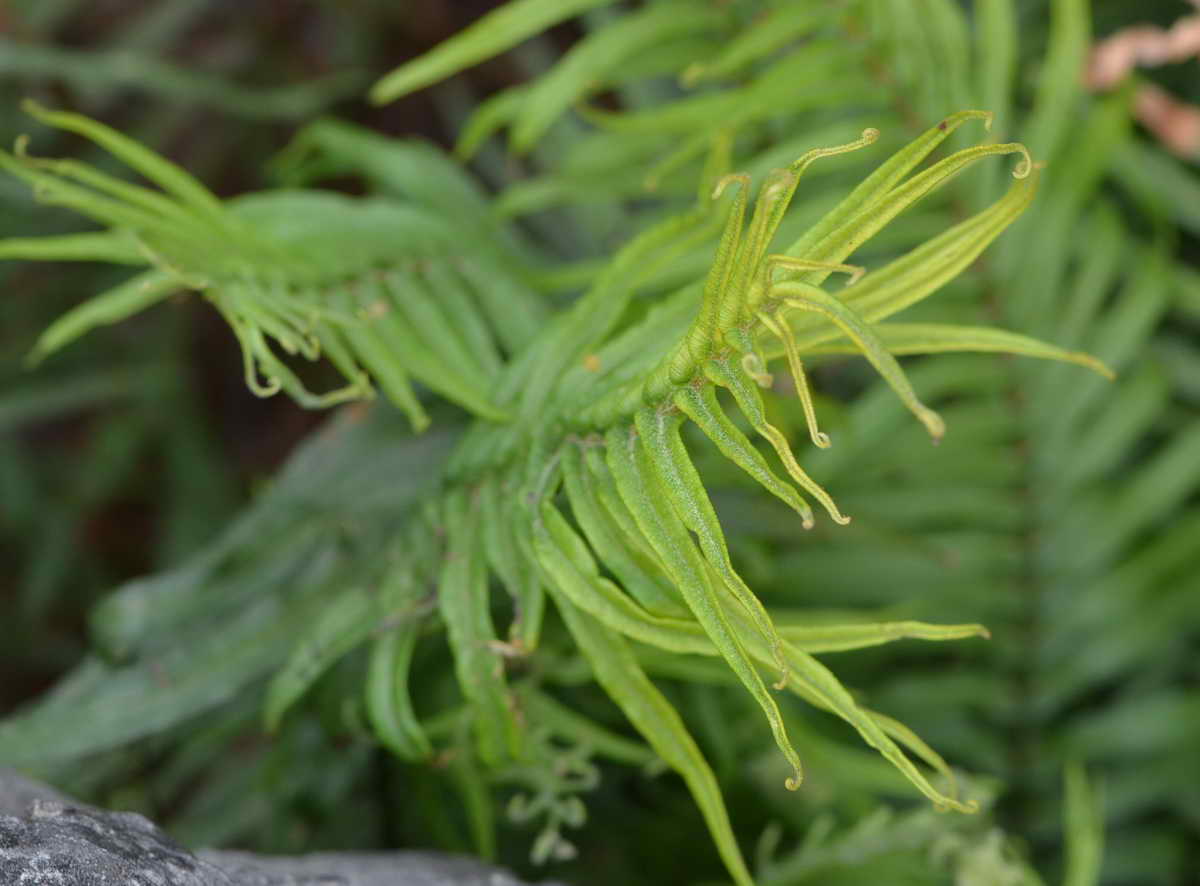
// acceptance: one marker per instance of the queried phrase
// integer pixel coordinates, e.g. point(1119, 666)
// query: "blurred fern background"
point(1061, 510)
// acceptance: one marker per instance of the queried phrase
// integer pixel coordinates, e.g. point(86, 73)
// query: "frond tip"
point(803, 297)
point(380, 288)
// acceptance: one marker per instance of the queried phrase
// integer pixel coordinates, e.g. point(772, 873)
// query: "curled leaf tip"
point(959, 117)
point(793, 782)
point(783, 181)
point(784, 673)
point(270, 389)
point(801, 163)
point(724, 181)
point(1025, 166)
point(783, 332)
point(753, 365)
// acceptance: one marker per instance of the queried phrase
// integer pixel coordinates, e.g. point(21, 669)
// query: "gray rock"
point(55, 844)
point(357, 869)
point(47, 839)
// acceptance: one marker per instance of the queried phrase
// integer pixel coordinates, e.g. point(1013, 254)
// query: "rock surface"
point(47, 839)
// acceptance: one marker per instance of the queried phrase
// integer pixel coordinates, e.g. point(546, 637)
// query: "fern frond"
point(582, 478)
point(502, 29)
point(313, 273)
point(315, 292)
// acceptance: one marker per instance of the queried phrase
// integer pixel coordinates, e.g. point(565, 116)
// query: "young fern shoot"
point(590, 402)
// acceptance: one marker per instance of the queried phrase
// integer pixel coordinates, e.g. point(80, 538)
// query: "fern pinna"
point(592, 404)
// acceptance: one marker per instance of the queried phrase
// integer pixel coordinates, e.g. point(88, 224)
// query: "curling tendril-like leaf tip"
point(725, 180)
point(753, 365)
point(783, 332)
point(1025, 166)
point(869, 135)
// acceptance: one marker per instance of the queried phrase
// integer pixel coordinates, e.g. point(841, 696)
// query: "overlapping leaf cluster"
point(576, 481)
point(1077, 497)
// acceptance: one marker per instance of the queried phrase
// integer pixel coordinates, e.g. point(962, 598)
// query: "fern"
point(585, 476)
